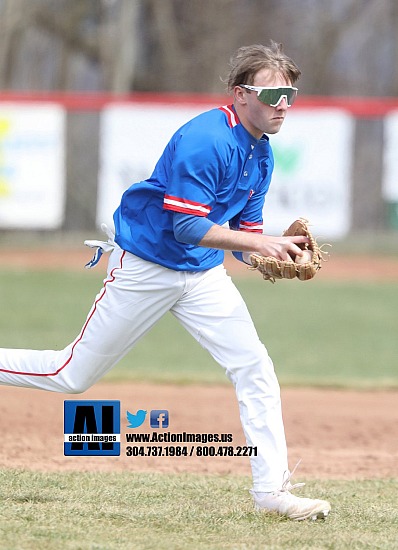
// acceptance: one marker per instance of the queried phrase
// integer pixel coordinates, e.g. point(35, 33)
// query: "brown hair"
point(248, 60)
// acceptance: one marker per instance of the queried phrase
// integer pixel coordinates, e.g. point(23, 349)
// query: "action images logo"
point(92, 428)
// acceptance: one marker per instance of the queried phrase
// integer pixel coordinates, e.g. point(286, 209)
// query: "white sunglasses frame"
point(259, 89)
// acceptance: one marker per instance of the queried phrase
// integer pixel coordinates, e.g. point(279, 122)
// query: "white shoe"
point(284, 503)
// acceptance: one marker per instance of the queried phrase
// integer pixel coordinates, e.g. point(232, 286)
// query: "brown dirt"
point(337, 434)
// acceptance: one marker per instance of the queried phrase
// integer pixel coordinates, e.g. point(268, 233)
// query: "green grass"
point(154, 511)
point(342, 334)
point(318, 333)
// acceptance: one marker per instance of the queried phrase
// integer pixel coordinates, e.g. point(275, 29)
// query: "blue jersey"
point(211, 167)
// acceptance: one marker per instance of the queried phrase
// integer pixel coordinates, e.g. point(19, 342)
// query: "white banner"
point(32, 171)
point(132, 139)
point(390, 160)
point(312, 175)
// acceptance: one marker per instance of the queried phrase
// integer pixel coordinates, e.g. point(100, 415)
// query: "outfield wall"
point(66, 159)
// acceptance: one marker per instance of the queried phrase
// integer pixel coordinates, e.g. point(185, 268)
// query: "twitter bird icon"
point(135, 420)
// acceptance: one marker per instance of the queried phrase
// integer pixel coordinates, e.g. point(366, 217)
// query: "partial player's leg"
point(213, 311)
point(135, 295)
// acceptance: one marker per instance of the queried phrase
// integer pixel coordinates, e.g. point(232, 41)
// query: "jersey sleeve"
point(199, 162)
point(190, 229)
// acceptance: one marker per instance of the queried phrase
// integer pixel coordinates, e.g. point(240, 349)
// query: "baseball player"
point(205, 196)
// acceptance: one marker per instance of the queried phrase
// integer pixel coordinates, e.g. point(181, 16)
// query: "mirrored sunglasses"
point(273, 95)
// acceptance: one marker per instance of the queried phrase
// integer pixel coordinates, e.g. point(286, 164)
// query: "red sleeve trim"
point(254, 227)
point(185, 206)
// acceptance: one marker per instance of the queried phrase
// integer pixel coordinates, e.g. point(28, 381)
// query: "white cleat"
point(284, 503)
point(321, 515)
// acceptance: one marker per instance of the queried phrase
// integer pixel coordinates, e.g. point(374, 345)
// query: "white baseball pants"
point(135, 295)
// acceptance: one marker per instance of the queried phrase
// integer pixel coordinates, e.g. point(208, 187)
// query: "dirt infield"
point(337, 434)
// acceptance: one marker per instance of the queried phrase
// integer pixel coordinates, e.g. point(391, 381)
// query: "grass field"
point(322, 333)
point(326, 333)
point(151, 511)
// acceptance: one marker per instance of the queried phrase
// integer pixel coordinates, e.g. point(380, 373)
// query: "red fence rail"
point(361, 107)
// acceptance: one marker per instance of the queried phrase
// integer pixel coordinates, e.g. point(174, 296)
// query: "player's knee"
point(253, 360)
point(256, 366)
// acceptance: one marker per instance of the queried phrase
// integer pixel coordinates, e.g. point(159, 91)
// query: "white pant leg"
point(213, 311)
point(135, 295)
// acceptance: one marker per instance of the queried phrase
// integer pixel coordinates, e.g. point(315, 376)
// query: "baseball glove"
point(271, 268)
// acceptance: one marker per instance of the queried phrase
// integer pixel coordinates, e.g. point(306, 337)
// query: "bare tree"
point(118, 44)
point(345, 46)
point(14, 21)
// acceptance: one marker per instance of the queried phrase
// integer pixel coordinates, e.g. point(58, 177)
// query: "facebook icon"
point(159, 419)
